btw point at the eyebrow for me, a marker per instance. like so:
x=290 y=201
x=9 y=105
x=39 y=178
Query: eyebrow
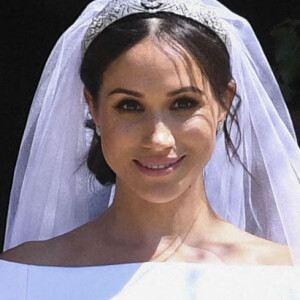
x=186 y=89
x=170 y=94
x=125 y=91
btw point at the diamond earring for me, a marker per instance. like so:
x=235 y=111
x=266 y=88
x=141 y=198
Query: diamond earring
x=98 y=130
x=220 y=125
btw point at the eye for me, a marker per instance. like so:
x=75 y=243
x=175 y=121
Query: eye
x=129 y=106
x=184 y=103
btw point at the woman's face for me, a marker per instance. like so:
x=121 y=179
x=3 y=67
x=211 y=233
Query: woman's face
x=158 y=123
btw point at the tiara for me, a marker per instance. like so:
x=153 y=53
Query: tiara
x=117 y=9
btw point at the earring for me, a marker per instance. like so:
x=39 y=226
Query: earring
x=220 y=125
x=98 y=130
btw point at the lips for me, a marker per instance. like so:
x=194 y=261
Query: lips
x=159 y=166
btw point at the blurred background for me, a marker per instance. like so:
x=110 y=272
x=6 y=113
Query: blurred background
x=31 y=28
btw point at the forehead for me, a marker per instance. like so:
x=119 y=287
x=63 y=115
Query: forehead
x=151 y=61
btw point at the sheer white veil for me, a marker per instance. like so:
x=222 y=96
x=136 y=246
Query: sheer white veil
x=53 y=191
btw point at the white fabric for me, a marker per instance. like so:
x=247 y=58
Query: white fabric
x=53 y=193
x=153 y=281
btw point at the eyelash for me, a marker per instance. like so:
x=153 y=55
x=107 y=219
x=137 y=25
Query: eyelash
x=121 y=106
x=188 y=103
x=184 y=103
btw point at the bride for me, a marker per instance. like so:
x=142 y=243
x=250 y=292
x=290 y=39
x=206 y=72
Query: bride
x=158 y=102
x=186 y=131
x=159 y=161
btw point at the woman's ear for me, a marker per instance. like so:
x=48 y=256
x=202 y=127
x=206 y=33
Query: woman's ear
x=228 y=98
x=231 y=90
x=90 y=101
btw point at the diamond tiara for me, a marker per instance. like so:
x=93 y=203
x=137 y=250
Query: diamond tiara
x=117 y=9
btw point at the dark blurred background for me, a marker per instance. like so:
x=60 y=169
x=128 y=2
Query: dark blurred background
x=31 y=28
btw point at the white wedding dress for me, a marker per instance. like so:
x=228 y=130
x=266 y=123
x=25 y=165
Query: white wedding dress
x=149 y=280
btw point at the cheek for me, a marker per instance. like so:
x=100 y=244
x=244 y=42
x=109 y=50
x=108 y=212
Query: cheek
x=201 y=127
x=117 y=140
x=200 y=136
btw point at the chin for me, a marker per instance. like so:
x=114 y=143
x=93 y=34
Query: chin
x=160 y=193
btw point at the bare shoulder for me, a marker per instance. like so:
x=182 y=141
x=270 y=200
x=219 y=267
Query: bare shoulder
x=246 y=248
x=28 y=253
x=68 y=250
x=259 y=251
x=270 y=253
x=58 y=251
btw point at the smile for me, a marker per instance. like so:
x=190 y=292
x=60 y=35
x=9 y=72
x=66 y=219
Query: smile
x=159 y=167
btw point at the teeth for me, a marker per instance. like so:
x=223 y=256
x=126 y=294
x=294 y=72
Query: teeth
x=158 y=167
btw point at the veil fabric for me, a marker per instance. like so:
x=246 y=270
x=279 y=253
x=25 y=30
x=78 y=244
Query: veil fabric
x=53 y=191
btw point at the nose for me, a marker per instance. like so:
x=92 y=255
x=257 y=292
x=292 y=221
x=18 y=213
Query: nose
x=158 y=135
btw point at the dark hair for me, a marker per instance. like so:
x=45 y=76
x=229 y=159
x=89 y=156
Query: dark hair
x=199 y=41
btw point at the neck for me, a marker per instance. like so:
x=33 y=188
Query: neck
x=138 y=221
